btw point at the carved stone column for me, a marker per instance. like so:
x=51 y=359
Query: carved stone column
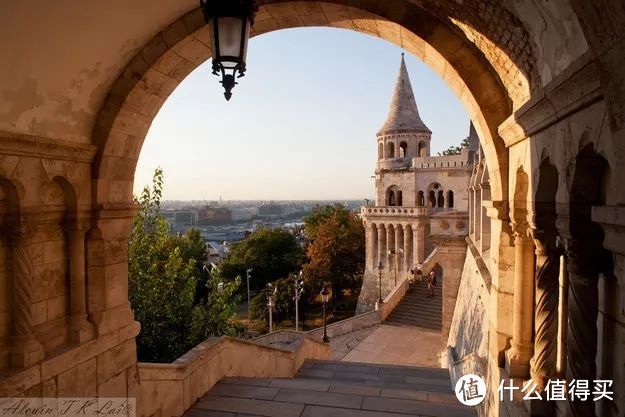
x=399 y=232
x=24 y=350
x=418 y=243
x=520 y=352
x=583 y=258
x=543 y=363
x=390 y=246
x=81 y=329
x=381 y=245
x=408 y=256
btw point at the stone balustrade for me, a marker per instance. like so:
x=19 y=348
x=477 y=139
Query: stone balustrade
x=402 y=212
x=171 y=389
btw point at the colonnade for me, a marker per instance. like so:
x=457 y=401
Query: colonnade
x=396 y=246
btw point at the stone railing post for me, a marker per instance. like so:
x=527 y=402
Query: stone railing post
x=520 y=352
x=24 y=349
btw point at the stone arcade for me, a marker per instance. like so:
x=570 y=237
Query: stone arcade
x=542 y=292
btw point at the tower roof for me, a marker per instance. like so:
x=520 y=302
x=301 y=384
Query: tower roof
x=403 y=117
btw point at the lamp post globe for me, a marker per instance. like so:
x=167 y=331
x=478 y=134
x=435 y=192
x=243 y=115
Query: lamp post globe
x=230 y=23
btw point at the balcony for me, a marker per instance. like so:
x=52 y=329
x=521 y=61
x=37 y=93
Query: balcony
x=372 y=212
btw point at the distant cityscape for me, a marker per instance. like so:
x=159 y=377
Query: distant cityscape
x=222 y=223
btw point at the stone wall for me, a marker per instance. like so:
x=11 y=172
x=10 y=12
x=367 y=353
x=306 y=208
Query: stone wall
x=469 y=331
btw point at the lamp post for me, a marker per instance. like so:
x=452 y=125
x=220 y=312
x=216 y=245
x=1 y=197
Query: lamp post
x=325 y=297
x=230 y=22
x=380 y=268
x=299 y=289
x=271 y=303
x=248 y=274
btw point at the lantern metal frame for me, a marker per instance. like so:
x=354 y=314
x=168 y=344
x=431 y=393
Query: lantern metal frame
x=246 y=11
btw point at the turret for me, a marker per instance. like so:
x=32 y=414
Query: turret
x=403 y=135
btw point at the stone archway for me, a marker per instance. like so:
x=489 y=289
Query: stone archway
x=171 y=55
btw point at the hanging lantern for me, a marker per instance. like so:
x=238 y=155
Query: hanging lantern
x=230 y=22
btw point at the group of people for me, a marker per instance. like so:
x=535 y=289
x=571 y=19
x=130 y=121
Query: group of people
x=431 y=280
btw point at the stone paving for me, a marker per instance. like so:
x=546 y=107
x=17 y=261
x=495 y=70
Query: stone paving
x=384 y=344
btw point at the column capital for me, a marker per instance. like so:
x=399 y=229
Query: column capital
x=80 y=226
x=23 y=230
x=585 y=257
x=496 y=209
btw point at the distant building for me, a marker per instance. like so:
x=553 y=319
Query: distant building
x=244 y=214
x=269 y=210
x=213 y=214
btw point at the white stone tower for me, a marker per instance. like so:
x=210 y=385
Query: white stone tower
x=421 y=200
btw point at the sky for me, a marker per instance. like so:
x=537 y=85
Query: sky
x=301 y=124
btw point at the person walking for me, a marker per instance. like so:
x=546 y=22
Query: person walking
x=431 y=284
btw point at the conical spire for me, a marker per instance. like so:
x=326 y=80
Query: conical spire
x=403 y=116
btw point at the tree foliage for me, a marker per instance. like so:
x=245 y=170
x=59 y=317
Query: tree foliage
x=271 y=253
x=455 y=150
x=337 y=252
x=175 y=301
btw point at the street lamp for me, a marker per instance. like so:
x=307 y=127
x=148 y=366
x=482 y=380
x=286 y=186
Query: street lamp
x=380 y=268
x=325 y=297
x=271 y=303
x=299 y=289
x=394 y=253
x=230 y=22
x=248 y=274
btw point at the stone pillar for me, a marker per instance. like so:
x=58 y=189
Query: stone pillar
x=543 y=363
x=25 y=350
x=582 y=262
x=390 y=246
x=452 y=252
x=399 y=244
x=381 y=246
x=408 y=256
x=563 y=315
x=81 y=329
x=520 y=352
x=418 y=243
x=471 y=213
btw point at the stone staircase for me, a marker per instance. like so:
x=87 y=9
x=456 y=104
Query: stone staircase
x=417 y=310
x=337 y=389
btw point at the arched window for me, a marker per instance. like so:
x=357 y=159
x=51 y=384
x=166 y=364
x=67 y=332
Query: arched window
x=420 y=199
x=393 y=196
x=431 y=199
x=421 y=149
x=441 y=199
x=390 y=150
x=403 y=150
x=450 y=199
x=380 y=151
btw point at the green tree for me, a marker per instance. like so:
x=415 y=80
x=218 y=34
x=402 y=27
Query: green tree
x=163 y=277
x=337 y=253
x=271 y=253
x=455 y=150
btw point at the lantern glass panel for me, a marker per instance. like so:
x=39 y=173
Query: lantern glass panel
x=230 y=30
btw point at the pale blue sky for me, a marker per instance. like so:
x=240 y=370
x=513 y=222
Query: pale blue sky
x=301 y=124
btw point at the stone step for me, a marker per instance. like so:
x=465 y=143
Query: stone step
x=429 y=315
x=440 y=373
x=426 y=326
x=293 y=397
